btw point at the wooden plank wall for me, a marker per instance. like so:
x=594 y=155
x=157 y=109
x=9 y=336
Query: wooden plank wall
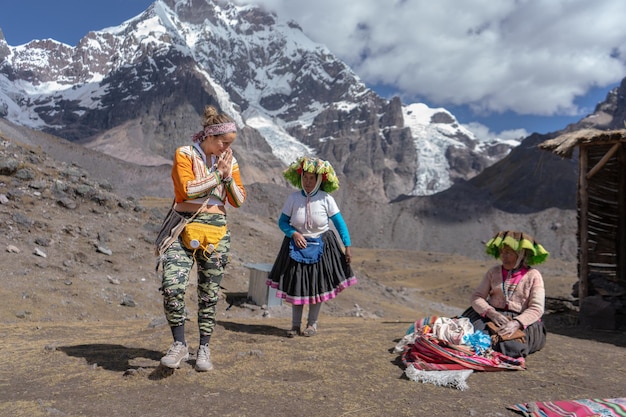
x=602 y=230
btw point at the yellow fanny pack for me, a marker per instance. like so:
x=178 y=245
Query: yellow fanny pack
x=202 y=236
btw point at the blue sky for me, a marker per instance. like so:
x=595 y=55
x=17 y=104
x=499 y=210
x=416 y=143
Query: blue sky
x=63 y=20
x=513 y=67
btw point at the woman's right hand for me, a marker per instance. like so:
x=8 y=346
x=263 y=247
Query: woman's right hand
x=299 y=240
x=499 y=319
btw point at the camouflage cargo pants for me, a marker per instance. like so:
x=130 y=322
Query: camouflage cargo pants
x=177 y=263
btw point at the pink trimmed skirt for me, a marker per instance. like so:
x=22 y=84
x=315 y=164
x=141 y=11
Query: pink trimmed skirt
x=300 y=283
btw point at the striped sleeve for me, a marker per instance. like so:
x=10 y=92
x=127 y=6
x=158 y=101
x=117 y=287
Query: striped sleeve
x=189 y=179
x=235 y=191
x=199 y=187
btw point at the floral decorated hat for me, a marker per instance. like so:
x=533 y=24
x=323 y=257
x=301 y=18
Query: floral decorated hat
x=516 y=241
x=294 y=172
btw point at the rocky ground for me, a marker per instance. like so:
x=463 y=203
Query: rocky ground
x=83 y=328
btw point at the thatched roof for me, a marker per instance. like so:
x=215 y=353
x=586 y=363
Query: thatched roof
x=565 y=144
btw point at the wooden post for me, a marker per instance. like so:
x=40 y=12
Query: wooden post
x=621 y=215
x=583 y=227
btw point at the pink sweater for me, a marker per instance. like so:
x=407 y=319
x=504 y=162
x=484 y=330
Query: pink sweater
x=528 y=298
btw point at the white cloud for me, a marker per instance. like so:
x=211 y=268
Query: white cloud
x=530 y=57
x=483 y=133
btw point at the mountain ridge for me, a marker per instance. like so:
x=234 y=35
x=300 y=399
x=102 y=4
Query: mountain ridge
x=158 y=70
x=405 y=170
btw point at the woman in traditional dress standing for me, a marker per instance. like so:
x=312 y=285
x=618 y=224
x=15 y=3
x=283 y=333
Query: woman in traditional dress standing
x=311 y=267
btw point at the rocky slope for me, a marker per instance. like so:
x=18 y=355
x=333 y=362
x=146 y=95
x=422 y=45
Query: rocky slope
x=452 y=222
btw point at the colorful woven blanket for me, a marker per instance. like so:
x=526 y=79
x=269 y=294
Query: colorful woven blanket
x=424 y=351
x=429 y=359
x=431 y=354
x=612 y=407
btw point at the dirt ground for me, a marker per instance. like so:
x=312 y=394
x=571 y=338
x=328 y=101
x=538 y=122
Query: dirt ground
x=71 y=350
x=83 y=328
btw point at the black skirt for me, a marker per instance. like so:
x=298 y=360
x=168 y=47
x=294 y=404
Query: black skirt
x=301 y=283
x=535 y=335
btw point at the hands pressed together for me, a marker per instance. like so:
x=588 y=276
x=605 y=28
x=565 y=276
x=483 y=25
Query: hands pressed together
x=224 y=163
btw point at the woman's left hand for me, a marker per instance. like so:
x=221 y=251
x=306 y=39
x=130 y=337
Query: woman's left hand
x=508 y=329
x=348 y=254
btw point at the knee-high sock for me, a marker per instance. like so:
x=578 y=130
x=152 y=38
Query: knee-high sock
x=296 y=316
x=179 y=333
x=314 y=312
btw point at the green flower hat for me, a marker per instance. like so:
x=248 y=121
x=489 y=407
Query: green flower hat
x=293 y=173
x=517 y=240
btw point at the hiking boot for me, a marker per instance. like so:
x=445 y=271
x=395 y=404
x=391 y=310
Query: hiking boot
x=177 y=353
x=203 y=359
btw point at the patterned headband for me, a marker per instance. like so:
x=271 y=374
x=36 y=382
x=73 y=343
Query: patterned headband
x=215 y=130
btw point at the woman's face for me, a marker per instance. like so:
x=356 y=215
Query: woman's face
x=508 y=257
x=216 y=145
x=309 y=180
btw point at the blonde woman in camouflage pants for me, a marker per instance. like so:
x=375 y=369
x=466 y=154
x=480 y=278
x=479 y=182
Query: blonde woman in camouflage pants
x=206 y=177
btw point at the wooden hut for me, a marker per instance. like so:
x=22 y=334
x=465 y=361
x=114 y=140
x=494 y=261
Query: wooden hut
x=601 y=210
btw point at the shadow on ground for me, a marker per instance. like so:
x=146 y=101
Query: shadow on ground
x=566 y=323
x=111 y=357
x=263 y=329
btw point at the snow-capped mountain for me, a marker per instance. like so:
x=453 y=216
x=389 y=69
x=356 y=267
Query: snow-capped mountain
x=135 y=91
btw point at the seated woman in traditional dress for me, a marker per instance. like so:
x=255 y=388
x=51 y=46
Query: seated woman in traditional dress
x=510 y=299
